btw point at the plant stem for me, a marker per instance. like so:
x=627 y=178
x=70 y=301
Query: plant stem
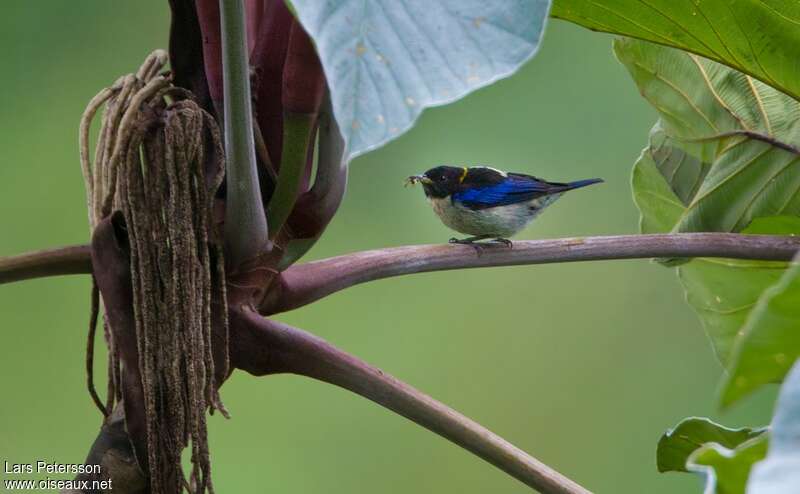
x=302 y=89
x=297 y=132
x=246 y=233
x=306 y=283
x=74 y=259
x=303 y=284
x=315 y=209
x=264 y=347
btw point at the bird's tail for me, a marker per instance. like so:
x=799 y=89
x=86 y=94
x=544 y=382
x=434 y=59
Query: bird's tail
x=582 y=183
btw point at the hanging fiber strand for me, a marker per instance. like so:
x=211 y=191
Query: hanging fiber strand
x=150 y=163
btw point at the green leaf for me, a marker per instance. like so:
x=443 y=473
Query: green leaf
x=785 y=225
x=660 y=207
x=726 y=144
x=779 y=473
x=690 y=435
x=760 y=38
x=722 y=155
x=770 y=342
x=245 y=222
x=726 y=470
x=723 y=292
x=387 y=60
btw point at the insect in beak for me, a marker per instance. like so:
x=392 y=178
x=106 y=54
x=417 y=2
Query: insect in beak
x=413 y=179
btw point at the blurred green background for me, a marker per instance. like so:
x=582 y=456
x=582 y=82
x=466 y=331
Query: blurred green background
x=582 y=365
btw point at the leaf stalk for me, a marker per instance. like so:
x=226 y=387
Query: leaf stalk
x=246 y=233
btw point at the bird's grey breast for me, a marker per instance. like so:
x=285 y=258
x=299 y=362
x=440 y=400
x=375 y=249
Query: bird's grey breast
x=501 y=221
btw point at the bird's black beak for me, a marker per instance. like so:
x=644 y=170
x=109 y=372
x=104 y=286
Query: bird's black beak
x=413 y=179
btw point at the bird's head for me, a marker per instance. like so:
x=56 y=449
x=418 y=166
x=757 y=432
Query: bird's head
x=441 y=181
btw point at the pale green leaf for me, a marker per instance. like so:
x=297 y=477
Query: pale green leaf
x=779 y=473
x=386 y=60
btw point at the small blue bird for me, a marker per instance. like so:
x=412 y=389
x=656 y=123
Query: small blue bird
x=488 y=203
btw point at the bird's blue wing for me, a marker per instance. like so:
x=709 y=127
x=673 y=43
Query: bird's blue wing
x=513 y=189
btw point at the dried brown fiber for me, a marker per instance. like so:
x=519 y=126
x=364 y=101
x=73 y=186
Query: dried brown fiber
x=150 y=164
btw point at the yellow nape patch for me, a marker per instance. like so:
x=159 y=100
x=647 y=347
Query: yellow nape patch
x=463 y=175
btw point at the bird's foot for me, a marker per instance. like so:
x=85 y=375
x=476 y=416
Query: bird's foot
x=479 y=247
x=454 y=240
x=504 y=241
x=471 y=241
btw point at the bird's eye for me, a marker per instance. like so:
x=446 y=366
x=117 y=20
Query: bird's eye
x=442 y=178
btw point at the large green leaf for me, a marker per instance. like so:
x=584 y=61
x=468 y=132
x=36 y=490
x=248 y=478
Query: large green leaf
x=721 y=156
x=770 y=342
x=723 y=292
x=679 y=443
x=729 y=144
x=758 y=37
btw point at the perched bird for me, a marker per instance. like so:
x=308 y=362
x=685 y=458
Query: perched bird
x=487 y=203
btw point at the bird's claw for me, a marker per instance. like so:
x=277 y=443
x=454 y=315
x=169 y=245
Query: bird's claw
x=466 y=241
x=504 y=241
x=479 y=247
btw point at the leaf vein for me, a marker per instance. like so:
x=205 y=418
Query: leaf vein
x=760 y=103
x=695 y=59
x=682 y=28
x=678 y=90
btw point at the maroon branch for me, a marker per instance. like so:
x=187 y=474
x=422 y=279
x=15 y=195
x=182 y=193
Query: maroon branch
x=261 y=346
x=73 y=259
x=305 y=283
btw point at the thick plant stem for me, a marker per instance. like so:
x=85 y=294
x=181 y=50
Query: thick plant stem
x=264 y=347
x=48 y=262
x=303 y=284
x=306 y=283
x=246 y=234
